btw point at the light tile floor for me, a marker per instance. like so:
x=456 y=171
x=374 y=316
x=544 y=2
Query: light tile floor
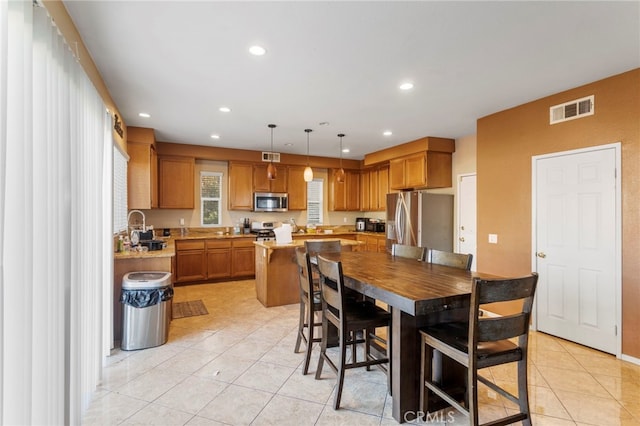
x=236 y=366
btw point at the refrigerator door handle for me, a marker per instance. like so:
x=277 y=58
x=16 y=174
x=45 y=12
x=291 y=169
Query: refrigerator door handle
x=399 y=222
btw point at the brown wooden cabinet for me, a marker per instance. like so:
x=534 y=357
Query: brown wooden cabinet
x=429 y=169
x=297 y=188
x=176 y=175
x=191 y=261
x=372 y=242
x=243 y=262
x=218 y=258
x=241 y=186
x=262 y=184
x=344 y=196
x=142 y=169
x=215 y=258
x=374 y=186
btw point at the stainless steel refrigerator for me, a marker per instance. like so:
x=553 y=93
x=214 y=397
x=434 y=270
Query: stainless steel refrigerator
x=421 y=219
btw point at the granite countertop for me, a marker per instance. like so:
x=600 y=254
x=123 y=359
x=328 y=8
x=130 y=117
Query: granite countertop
x=199 y=233
x=300 y=242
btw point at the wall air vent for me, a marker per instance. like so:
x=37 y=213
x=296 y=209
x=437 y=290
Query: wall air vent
x=271 y=156
x=571 y=110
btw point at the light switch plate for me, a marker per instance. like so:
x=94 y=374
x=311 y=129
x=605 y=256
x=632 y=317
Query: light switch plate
x=493 y=238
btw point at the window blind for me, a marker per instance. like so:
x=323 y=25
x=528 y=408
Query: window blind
x=315 y=201
x=119 y=191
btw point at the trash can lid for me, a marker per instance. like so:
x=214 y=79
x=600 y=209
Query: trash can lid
x=146 y=279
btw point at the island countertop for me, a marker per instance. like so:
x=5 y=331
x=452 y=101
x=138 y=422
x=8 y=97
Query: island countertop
x=273 y=245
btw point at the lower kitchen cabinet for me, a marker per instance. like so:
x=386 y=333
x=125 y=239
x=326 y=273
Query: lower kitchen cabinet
x=191 y=262
x=218 y=259
x=243 y=262
x=372 y=242
x=214 y=259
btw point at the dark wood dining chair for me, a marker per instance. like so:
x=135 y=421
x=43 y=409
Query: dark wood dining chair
x=447 y=258
x=309 y=305
x=351 y=319
x=410 y=252
x=482 y=342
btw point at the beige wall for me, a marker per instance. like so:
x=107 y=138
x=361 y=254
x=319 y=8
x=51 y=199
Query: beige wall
x=507 y=140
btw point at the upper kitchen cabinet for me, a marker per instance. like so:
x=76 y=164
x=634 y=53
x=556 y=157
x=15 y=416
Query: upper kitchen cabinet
x=142 y=170
x=344 y=196
x=176 y=182
x=420 y=164
x=297 y=188
x=241 y=186
x=374 y=186
x=262 y=184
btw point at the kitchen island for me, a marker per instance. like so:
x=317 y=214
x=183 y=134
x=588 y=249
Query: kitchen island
x=276 y=270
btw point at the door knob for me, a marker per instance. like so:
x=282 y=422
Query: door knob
x=541 y=255
x=461 y=239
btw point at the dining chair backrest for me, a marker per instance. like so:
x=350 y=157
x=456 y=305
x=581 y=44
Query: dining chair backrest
x=411 y=252
x=492 y=329
x=447 y=258
x=304 y=270
x=331 y=288
x=314 y=247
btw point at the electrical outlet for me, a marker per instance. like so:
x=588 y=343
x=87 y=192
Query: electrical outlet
x=493 y=238
x=181 y=221
x=344 y=219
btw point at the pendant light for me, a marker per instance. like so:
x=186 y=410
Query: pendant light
x=340 y=176
x=272 y=173
x=308 y=172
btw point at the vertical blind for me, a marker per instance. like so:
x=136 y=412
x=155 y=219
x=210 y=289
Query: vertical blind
x=55 y=208
x=119 y=190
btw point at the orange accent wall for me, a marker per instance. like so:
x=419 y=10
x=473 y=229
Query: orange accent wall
x=507 y=140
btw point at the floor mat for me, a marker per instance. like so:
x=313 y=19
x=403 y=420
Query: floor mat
x=188 y=309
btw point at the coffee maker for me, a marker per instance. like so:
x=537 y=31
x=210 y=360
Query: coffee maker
x=361 y=224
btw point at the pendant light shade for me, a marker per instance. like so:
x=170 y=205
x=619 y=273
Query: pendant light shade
x=272 y=173
x=340 y=175
x=308 y=172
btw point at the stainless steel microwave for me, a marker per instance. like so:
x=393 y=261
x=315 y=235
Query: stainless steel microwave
x=270 y=202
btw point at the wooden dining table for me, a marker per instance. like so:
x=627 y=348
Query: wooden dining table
x=419 y=294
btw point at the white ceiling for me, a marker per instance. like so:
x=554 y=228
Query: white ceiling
x=342 y=63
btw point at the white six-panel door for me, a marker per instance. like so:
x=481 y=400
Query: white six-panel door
x=576 y=246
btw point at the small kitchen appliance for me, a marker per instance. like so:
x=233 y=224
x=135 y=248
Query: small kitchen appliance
x=374 y=225
x=361 y=223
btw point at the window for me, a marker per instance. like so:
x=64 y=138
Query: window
x=119 y=191
x=314 y=202
x=210 y=198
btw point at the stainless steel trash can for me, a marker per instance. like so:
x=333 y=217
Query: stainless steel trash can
x=146 y=313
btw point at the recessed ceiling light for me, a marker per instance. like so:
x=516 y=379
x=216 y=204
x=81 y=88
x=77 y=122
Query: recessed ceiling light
x=406 y=86
x=215 y=136
x=387 y=133
x=224 y=109
x=144 y=114
x=345 y=150
x=257 y=50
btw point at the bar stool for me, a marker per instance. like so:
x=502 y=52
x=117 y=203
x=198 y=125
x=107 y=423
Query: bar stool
x=348 y=318
x=309 y=305
x=482 y=342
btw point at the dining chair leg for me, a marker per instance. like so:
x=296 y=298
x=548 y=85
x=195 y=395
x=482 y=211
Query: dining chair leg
x=323 y=347
x=472 y=395
x=300 y=328
x=341 y=362
x=310 y=338
x=523 y=395
x=426 y=358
